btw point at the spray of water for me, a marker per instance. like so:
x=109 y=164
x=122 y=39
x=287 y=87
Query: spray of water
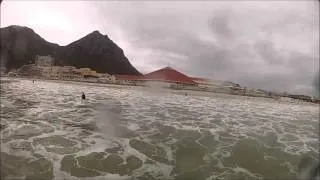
x=309 y=169
x=157 y=87
x=107 y=118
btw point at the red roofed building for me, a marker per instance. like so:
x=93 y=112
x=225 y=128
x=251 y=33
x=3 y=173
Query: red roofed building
x=163 y=77
x=169 y=75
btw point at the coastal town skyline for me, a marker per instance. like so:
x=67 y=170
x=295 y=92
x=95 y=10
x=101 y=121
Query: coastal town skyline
x=266 y=54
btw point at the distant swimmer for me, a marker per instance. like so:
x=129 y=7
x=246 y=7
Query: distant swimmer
x=32 y=81
x=83 y=97
x=186 y=94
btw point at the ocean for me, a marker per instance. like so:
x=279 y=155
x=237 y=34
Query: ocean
x=123 y=132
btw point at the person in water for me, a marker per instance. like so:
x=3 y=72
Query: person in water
x=83 y=97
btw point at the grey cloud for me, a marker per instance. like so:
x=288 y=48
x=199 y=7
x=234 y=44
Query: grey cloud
x=201 y=57
x=233 y=48
x=220 y=23
x=316 y=84
x=267 y=52
x=303 y=63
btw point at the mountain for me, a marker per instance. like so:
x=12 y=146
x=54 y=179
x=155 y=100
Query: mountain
x=20 y=45
x=98 y=52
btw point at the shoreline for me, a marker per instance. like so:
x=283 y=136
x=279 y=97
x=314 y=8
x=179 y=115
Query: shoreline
x=191 y=91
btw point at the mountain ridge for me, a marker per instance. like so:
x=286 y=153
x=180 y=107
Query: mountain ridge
x=20 y=45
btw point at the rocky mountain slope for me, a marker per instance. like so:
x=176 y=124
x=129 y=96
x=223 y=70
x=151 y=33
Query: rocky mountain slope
x=20 y=45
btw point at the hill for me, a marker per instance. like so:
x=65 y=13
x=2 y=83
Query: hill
x=20 y=45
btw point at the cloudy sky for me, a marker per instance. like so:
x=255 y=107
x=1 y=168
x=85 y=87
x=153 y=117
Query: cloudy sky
x=261 y=44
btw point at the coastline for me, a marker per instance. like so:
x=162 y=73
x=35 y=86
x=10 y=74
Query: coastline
x=180 y=90
x=76 y=81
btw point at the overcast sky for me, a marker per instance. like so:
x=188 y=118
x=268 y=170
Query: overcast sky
x=262 y=44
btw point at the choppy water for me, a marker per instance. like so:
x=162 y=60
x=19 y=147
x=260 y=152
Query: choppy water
x=134 y=133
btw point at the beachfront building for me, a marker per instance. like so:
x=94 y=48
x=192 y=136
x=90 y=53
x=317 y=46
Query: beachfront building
x=87 y=73
x=168 y=77
x=60 y=72
x=208 y=83
x=68 y=73
x=44 y=61
x=44 y=68
x=165 y=78
x=46 y=71
x=84 y=71
x=29 y=70
x=128 y=79
x=106 y=78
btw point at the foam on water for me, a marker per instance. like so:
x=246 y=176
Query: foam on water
x=157 y=126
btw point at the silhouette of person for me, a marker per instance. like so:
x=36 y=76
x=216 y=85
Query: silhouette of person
x=83 y=97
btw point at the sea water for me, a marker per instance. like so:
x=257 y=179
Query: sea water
x=122 y=132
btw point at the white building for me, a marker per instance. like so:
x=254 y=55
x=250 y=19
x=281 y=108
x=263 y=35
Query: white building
x=44 y=61
x=60 y=72
x=50 y=72
x=208 y=83
x=84 y=71
x=68 y=68
x=105 y=78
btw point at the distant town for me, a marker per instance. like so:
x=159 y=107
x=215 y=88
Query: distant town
x=44 y=68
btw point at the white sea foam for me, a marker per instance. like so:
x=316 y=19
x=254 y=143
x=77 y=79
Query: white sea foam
x=110 y=109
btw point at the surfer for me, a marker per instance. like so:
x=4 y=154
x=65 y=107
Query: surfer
x=83 y=97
